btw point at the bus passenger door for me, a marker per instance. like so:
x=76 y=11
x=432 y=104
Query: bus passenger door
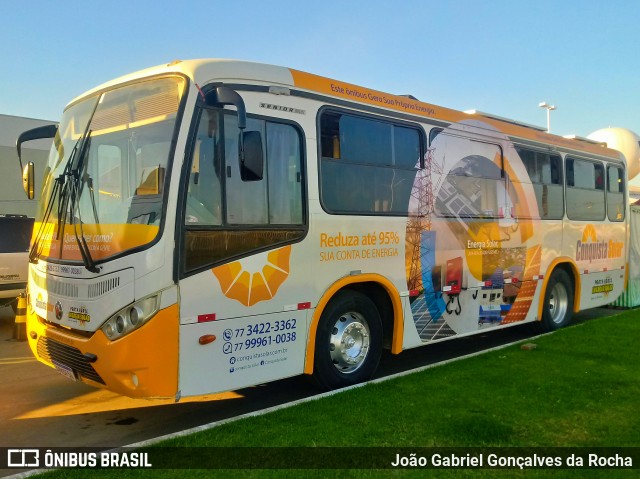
x=243 y=321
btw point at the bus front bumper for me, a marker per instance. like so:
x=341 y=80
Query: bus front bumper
x=142 y=364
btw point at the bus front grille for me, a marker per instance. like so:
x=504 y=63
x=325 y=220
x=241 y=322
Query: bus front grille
x=58 y=353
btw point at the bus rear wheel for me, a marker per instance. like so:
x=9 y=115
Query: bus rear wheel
x=348 y=341
x=558 y=301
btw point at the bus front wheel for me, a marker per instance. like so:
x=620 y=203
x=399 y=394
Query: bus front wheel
x=348 y=341
x=558 y=301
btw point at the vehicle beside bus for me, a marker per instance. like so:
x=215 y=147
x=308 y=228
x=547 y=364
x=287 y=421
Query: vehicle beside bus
x=16 y=212
x=212 y=224
x=14 y=245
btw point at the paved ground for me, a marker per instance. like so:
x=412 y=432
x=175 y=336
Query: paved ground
x=39 y=407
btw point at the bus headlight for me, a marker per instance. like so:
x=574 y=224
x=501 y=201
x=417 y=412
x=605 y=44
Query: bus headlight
x=131 y=317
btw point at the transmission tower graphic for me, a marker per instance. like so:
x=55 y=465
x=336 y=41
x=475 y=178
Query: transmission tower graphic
x=422 y=205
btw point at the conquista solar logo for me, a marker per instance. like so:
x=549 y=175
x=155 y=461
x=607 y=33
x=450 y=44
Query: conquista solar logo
x=591 y=249
x=256 y=278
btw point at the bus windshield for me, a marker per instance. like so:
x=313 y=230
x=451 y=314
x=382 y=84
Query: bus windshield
x=115 y=147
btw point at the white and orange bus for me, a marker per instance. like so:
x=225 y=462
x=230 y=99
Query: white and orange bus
x=212 y=224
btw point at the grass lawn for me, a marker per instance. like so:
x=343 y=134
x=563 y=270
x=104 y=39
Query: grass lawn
x=579 y=388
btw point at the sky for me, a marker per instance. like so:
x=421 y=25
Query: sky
x=500 y=57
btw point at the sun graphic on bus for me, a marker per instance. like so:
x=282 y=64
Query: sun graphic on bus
x=254 y=279
x=589 y=234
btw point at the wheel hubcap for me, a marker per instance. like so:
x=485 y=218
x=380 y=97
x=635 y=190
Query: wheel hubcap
x=349 y=342
x=558 y=303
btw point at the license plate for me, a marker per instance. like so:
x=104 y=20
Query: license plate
x=66 y=371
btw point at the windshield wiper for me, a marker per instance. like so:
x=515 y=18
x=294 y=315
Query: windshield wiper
x=66 y=190
x=86 y=179
x=58 y=196
x=37 y=246
x=72 y=201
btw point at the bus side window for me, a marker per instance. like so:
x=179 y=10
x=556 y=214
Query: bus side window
x=615 y=194
x=599 y=173
x=570 y=181
x=204 y=201
x=474 y=187
x=368 y=165
x=585 y=190
x=545 y=177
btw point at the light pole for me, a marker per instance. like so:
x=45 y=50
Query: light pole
x=547 y=107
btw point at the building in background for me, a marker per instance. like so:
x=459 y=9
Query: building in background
x=16 y=211
x=13 y=200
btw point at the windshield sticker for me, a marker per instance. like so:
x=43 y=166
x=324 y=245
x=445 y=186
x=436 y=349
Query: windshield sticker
x=102 y=241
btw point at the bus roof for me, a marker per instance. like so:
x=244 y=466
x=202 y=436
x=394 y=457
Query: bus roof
x=205 y=71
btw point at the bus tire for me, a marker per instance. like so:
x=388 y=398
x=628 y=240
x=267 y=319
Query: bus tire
x=348 y=341
x=558 y=301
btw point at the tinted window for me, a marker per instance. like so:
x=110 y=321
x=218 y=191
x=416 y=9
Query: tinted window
x=585 y=190
x=204 y=194
x=367 y=166
x=276 y=199
x=16 y=233
x=246 y=200
x=434 y=133
x=545 y=175
x=615 y=193
x=473 y=187
x=220 y=204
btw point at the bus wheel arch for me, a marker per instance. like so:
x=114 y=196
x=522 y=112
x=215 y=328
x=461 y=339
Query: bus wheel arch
x=560 y=298
x=380 y=297
x=375 y=289
x=348 y=342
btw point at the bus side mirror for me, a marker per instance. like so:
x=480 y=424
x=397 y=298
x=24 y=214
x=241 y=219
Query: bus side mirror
x=251 y=158
x=28 y=180
x=47 y=131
